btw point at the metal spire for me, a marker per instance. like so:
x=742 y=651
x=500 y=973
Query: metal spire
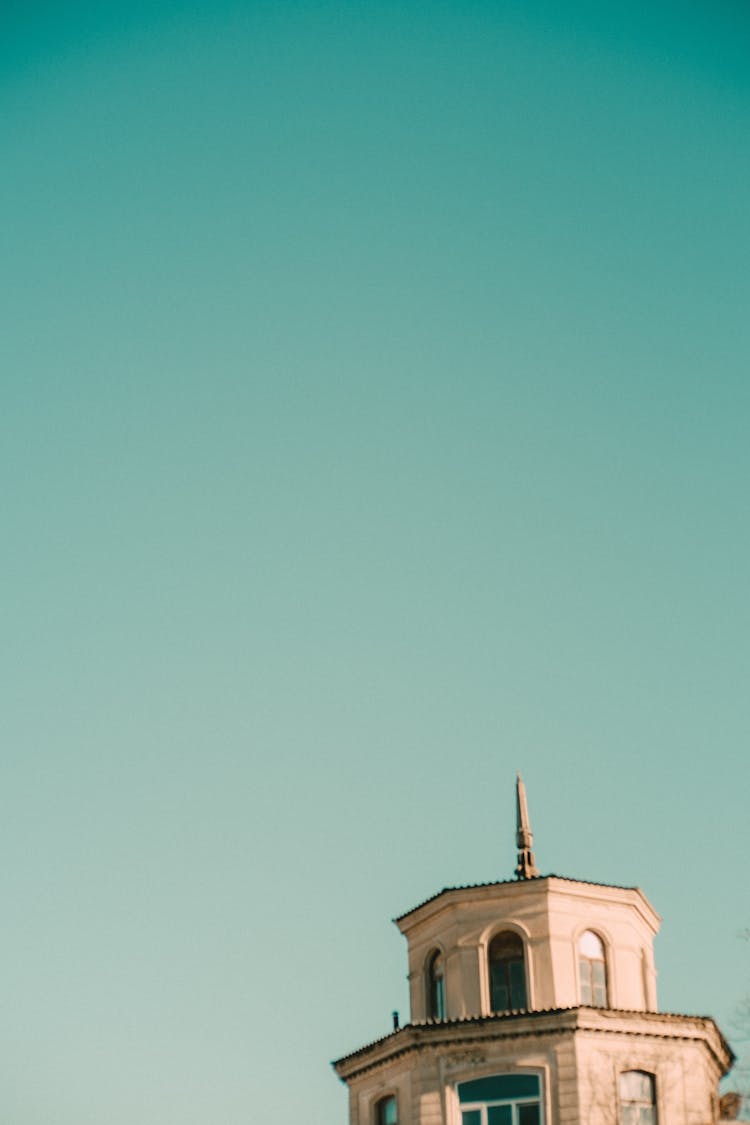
x=526 y=867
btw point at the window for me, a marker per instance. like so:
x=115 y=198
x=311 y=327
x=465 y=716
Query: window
x=592 y=970
x=435 y=986
x=502 y=1099
x=387 y=1111
x=507 y=973
x=637 y=1098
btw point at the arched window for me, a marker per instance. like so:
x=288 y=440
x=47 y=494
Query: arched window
x=592 y=970
x=387 y=1111
x=507 y=972
x=501 y=1099
x=435 y=986
x=637 y=1098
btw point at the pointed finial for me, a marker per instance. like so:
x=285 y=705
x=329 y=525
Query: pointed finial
x=526 y=867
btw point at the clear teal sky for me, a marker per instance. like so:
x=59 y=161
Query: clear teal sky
x=374 y=402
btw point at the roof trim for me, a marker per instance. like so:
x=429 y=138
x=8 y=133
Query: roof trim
x=407 y=1032
x=513 y=882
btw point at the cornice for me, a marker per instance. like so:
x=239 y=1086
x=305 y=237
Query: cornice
x=540 y=884
x=436 y=1034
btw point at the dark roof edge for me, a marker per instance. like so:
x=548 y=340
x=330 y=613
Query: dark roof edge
x=512 y=882
x=503 y=1017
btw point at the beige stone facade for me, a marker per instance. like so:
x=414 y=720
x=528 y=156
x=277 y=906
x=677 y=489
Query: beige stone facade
x=549 y=915
x=578 y=1054
x=571 y=1052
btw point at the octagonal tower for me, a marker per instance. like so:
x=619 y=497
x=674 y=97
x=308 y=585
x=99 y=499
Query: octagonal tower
x=533 y=1002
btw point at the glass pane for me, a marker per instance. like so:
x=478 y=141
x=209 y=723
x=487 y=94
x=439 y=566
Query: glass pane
x=505 y=945
x=517 y=985
x=439 y=1005
x=471 y=1117
x=589 y=945
x=499 y=1115
x=506 y=950
x=648 y=1115
x=637 y=1086
x=587 y=996
x=387 y=1114
x=600 y=983
x=500 y=1000
x=529 y=1114
x=629 y=1115
x=499 y=1087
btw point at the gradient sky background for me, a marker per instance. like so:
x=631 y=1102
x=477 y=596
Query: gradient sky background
x=374 y=408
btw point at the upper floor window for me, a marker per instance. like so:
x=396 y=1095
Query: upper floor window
x=507 y=974
x=592 y=970
x=387 y=1111
x=501 y=1099
x=637 y=1098
x=435 y=986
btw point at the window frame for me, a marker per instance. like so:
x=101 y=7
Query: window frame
x=516 y=1102
x=522 y=937
x=379 y=1107
x=638 y=1103
x=605 y=960
x=430 y=980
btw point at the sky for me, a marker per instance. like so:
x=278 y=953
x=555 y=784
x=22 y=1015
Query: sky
x=374 y=403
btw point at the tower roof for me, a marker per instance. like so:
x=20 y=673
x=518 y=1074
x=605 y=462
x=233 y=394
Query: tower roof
x=539 y=881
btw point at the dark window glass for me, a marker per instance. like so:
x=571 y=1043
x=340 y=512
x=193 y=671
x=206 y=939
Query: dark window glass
x=499 y=1087
x=501 y=1099
x=499 y=988
x=387 y=1111
x=517 y=984
x=435 y=987
x=507 y=973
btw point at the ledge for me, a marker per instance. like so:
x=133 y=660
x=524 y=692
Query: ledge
x=515 y=1025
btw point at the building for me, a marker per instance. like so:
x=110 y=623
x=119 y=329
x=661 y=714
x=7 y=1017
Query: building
x=533 y=1002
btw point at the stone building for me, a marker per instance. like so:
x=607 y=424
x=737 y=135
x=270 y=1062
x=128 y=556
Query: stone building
x=533 y=1002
